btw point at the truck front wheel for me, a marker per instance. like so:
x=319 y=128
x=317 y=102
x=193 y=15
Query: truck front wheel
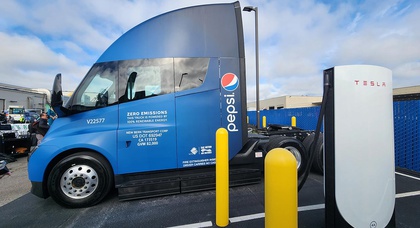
x=294 y=146
x=80 y=180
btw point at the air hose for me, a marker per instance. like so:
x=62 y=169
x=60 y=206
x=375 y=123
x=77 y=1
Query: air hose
x=327 y=87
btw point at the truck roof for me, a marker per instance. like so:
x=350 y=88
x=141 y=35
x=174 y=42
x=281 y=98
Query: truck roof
x=195 y=32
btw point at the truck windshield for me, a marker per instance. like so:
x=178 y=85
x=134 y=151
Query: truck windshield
x=98 y=88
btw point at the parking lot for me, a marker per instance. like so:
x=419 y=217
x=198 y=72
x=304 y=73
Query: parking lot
x=194 y=209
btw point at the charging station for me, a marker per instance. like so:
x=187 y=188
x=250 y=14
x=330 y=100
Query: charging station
x=359 y=147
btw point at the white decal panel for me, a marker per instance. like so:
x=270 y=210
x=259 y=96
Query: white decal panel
x=159 y=116
x=147 y=137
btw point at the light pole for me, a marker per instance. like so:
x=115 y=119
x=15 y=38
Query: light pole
x=257 y=71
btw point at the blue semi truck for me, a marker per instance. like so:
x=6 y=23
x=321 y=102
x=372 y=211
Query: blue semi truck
x=143 y=120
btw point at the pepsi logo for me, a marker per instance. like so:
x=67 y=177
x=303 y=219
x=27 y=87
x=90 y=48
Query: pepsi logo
x=230 y=82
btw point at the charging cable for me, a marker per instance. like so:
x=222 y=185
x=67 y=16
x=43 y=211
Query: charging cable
x=327 y=87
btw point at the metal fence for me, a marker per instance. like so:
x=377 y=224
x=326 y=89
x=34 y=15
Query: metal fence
x=406 y=134
x=406 y=128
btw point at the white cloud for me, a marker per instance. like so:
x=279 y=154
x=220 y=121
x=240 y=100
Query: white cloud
x=406 y=74
x=298 y=39
x=299 y=42
x=387 y=38
x=26 y=61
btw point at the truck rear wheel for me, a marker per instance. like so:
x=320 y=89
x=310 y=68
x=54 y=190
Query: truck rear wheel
x=80 y=180
x=294 y=146
x=318 y=163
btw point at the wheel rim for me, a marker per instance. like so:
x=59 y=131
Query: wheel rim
x=295 y=153
x=79 y=181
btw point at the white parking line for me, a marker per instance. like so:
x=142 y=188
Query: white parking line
x=247 y=217
x=311 y=207
x=262 y=215
x=402 y=174
x=407 y=194
x=195 y=225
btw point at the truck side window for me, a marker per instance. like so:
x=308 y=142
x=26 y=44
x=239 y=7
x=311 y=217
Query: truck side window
x=144 y=78
x=190 y=72
x=98 y=88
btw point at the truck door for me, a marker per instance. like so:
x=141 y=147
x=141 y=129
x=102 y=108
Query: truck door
x=197 y=110
x=146 y=132
x=203 y=107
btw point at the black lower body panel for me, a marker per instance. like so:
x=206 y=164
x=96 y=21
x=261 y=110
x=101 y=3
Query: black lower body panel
x=134 y=186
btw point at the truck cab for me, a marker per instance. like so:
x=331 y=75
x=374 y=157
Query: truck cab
x=144 y=118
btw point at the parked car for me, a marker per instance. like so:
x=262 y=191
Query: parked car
x=31 y=116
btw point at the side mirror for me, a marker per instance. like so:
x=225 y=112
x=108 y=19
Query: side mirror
x=57 y=95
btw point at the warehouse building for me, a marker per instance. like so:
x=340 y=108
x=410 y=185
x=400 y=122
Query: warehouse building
x=411 y=92
x=29 y=99
x=286 y=102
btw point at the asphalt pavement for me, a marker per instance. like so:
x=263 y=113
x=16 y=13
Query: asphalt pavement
x=16 y=185
x=193 y=209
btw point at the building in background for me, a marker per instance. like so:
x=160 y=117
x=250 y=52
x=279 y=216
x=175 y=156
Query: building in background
x=16 y=96
x=286 y=102
x=407 y=93
x=411 y=92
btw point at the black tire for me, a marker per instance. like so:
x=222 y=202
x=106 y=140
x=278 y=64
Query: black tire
x=294 y=146
x=80 y=180
x=318 y=162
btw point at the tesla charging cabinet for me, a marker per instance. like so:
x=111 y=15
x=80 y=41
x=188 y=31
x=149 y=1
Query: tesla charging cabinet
x=359 y=147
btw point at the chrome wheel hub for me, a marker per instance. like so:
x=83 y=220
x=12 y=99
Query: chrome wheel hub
x=79 y=181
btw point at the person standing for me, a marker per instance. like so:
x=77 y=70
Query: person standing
x=42 y=127
x=51 y=116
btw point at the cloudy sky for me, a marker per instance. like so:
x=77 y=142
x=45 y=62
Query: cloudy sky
x=297 y=39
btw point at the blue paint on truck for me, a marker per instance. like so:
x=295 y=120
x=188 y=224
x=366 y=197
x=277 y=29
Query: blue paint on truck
x=144 y=117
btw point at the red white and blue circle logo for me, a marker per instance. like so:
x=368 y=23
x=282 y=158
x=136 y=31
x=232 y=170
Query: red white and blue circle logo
x=230 y=82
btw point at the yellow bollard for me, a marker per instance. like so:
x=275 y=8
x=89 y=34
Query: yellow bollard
x=281 y=200
x=222 y=177
x=293 y=121
x=264 y=121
